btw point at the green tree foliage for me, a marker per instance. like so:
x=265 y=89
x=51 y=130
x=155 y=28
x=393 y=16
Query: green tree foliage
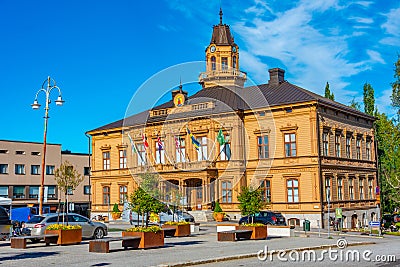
x=354 y=104
x=251 y=200
x=395 y=97
x=116 y=208
x=217 y=207
x=369 y=99
x=388 y=137
x=328 y=93
x=145 y=198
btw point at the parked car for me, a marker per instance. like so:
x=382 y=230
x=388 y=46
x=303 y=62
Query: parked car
x=178 y=216
x=5 y=224
x=38 y=224
x=23 y=214
x=264 y=217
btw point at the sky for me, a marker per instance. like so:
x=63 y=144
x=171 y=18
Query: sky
x=104 y=54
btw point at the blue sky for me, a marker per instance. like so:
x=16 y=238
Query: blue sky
x=100 y=52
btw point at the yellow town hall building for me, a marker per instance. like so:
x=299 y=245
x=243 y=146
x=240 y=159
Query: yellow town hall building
x=293 y=143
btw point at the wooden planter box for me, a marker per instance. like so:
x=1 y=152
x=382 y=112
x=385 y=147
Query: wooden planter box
x=67 y=237
x=180 y=230
x=259 y=232
x=148 y=239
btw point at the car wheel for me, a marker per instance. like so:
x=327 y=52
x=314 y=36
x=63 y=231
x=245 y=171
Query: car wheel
x=98 y=233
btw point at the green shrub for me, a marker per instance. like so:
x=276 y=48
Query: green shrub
x=252 y=224
x=152 y=229
x=63 y=227
x=176 y=223
x=116 y=208
x=217 y=207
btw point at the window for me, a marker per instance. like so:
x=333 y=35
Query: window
x=70 y=191
x=292 y=190
x=225 y=149
x=141 y=154
x=19 y=169
x=19 y=192
x=266 y=189
x=3 y=168
x=263 y=147
x=213 y=63
x=337 y=145
x=361 y=188
x=35 y=169
x=3 y=151
x=50 y=169
x=348 y=147
x=351 y=189
x=106 y=160
x=19 y=152
x=290 y=145
x=86 y=171
x=202 y=153
x=106 y=195
x=123 y=194
x=51 y=191
x=224 y=63
x=86 y=189
x=328 y=188
x=226 y=192
x=3 y=191
x=160 y=153
x=34 y=192
x=180 y=149
x=325 y=143
x=358 y=147
x=122 y=159
x=368 y=149
x=35 y=153
x=234 y=62
x=370 y=188
x=340 y=188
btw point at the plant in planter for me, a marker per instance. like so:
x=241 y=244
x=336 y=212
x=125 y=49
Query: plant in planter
x=218 y=213
x=181 y=228
x=144 y=200
x=116 y=213
x=67 y=234
x=251 y=202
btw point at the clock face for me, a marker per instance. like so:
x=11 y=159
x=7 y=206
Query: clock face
x=234 y=49
x=212 y=49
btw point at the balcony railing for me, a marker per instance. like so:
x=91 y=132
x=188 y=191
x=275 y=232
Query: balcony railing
x=204 y=76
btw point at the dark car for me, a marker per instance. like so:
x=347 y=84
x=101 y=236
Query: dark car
x=4 y=218
x=264 y=217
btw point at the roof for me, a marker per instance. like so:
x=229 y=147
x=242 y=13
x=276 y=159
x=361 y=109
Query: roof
x=221 y=33
x=232 y=99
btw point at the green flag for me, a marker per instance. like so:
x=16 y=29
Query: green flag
x=220 y=138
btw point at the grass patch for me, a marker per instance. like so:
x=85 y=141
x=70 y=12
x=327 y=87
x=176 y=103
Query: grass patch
x=392 y=233
x=115 y=229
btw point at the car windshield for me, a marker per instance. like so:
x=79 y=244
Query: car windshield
x=36 y=219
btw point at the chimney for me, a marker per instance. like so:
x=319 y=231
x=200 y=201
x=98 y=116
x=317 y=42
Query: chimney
x=276 y=76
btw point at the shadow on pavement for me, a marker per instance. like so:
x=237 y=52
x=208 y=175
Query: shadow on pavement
x=28 y=255
x=183 y=243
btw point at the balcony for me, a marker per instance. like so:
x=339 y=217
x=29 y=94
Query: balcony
x=221 y=75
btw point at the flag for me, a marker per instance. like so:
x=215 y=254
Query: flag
x=133 y=146
x=195 y=143
x=177 y=145
x=159 y=143
x=146 y=145
x=221 y=138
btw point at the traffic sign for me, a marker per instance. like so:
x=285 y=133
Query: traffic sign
x=374 y=224
x=338 y=213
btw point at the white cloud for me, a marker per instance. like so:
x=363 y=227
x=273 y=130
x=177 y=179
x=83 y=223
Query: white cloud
x=251 y=63
x=384 y=103
x=309 y=54
x=375 y=56
x=362 y=20
x=392 y=28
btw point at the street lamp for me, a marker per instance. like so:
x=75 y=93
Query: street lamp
x=328 y=198
x=51 y=84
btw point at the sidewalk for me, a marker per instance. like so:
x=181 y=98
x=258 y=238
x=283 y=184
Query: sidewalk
x=182 y=251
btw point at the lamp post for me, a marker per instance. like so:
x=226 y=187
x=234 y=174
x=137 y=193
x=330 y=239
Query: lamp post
x=328 y=198
x=46 y=88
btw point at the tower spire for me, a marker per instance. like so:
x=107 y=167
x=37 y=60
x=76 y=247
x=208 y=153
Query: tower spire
x=220 y=16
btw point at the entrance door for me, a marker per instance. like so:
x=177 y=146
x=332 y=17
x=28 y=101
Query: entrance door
x=194 y=191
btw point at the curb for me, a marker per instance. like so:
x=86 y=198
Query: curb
x=342 y=234
x=252 y=255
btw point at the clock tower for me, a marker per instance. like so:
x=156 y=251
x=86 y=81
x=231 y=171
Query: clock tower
x=222 y=59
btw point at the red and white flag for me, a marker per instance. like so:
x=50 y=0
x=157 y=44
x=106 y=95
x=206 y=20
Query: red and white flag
x=145 y=143
x=159 y=143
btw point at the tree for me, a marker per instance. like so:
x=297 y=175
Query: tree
x=251 y=200
x=369 y=99
x=395 y=97
x=145 y=198
x=354 y=104
x=67 y=179
x=328 y=93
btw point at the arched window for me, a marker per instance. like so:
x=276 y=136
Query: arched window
x=234 y=62
x=213 y=63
